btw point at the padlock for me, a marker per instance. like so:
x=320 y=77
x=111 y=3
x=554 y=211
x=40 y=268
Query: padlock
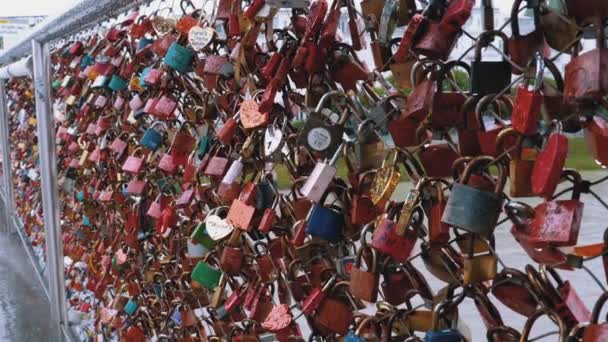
x=560 y=31
x=321 y=177
x=326 y=222
x=478 y=268
x=490 y=129
x=364 y=284
x=370 y=147
x=435 y=334
x=522 y=48
x=446 y=110
x=319 y=136
x=363 y=209
x=420 y=101
x=549 y=164
x=490 y=77
x=514 y=290
x=471 y=209
x=585 y=80
x=179 y=58
x=528 y=102
x=232 y=256
x=153 y=138
x=333 y=314
x=587 y=10
x=397 y=238
x=206 y=275
x=134 y=163
x=386 y=178
x=439 y=232
x=562 y=298
x=440 y=35
x=521 y=163
x=557 y=222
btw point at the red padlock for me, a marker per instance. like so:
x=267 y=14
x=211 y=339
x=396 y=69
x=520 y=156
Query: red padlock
x=550 y=161
x=528 y=102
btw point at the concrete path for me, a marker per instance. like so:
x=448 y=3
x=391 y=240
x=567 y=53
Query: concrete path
x=24 y=307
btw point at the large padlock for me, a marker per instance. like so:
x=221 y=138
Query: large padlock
x=549 y=164
x=490 y=77
x=396 y=238
x=364 y=283
x=319 y=136
x=153 y=137
x=523 y=47
x=557 y=222
x=528 y=102
x=326 y=222
x=321 y=177
x=586 y=79
x=472 y=209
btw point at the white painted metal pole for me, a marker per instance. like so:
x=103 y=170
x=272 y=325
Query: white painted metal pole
x=5 y=145
x=48 y=172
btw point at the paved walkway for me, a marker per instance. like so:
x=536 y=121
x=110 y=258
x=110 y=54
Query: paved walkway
x=24 y=307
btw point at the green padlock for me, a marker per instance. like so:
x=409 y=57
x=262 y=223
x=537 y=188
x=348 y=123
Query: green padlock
x=117 y=83
x=206 y=275
x=200 y=235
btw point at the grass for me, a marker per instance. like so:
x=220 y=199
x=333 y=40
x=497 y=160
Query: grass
x=579 y=158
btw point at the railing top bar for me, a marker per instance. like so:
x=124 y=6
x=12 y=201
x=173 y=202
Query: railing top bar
x=85 y=14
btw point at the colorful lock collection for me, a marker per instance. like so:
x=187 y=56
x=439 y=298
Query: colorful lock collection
x=224 y=176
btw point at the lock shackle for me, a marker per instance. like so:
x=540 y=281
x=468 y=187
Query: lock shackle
x=519 y=213
x=597 y=308
x=539 y=63
x=479 y=161
x=442 y=75
x=438 y=311
x=544 y=291
x=326 y=97
x=364 y=323
x=512 y=276
x=577 y=180
x=502 y=138
x=515 y=14
x=485 y=101
x=554 y=317
x=503 y=331
x=417 y=75
x=485 y=37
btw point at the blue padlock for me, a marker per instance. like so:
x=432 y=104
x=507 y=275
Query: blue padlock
x=326 y=222
x=80 y=196
x=85 y=221
x=86 y=61
x=445 y=335
x=142 y=76
x=353 y=337
x=179 y=58
x=117 y=83
x=153 y=138
x=130 y=307
x=142 y=43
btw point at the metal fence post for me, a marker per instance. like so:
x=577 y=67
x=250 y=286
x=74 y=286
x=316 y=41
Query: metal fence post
x=6 y=162
x=48 y=172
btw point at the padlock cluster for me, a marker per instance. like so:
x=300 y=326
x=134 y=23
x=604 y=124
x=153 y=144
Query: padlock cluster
x=223 y=179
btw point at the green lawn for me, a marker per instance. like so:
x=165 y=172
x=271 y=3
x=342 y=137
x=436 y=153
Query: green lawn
x=578 y=158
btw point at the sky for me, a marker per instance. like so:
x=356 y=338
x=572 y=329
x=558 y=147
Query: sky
x=50 y=7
